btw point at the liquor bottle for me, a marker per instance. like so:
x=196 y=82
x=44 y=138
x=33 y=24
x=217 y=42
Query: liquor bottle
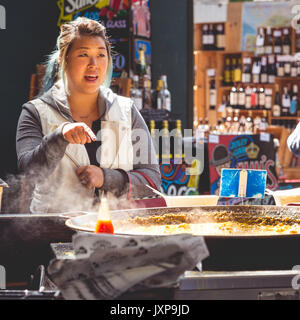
x=249 y=123
x=166 y=94
x=165 y=152
x=285 y=102
x=256 y=124
x=153 y=137
x=276 y=110
x=268 y=99
x=236 y=122
x=286 y=43
x=178 y=141
x=220 y=37
x=263 y=122
x=268 y=41
x=280 y=66
x=212 y=95
x=287 y=66
x=141 y=64
x=233 y=97
x=158 y=98
x=277 y=42
x=211 y=38
x=147 y=99
x=237 y=73
x=293 y=67
x=271 y=69
x=205 y=39
x=260 y=40
x=246 y=75
x=261 y=98
x=248 y=92
x=254 y=98
x=241 y=98
x=294 y=101
x=136 y=94
x=228 y=122
x=233 y=66
x=264 y=70
x=256 y=72
x=227 y=73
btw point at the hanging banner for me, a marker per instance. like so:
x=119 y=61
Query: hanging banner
x=141 y=18
x=242 y=151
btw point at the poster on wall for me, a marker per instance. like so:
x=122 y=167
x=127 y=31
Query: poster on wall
x=264 y=14
x=114 y=15
x=141 y=18
x=241 y=152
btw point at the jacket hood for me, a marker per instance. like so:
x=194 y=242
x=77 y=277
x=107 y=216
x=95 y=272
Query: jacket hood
x=56 y=97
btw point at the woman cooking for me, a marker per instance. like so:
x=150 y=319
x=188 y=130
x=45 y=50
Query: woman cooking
x=59 y=141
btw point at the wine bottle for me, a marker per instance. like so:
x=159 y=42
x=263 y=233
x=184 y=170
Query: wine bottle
x=256 y=72
x=220 y=37
x=159 y=94
x=268 y=99
x=261 y=98
x=287 y=66
x=227 y=73
x=268 y=41
x=294 y=101
x=141 y=65
x=260 y=40
x=286 y=43
x=166 y=94
x=280 y=66
x=276 y=110
x=246 y=76
x=136 y=93
x=241 y=98
x=211 y=38
x=205 y=39
x=249 y=123
x=233 y=98
x=248 y=92
x=238 y=71
x=212 y=95
x=147 y=100
x=263 y=125
x=264 y=70
x=285 y=102
x=271 y=69
x=254 y=98
x=233 y=67
x=293 y=67
x=165 y=153
x=277 y=42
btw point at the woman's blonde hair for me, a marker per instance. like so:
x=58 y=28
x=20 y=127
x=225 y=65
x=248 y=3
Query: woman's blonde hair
x=68 y=32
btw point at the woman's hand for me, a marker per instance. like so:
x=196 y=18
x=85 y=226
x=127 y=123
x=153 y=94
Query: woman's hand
x=78 y=133
x=90 y=176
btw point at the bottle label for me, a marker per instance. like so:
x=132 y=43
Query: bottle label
x=138 y=102
x=276 y=110
x=242 y=99
x=233 y=98
x=271 y=78
x=255 y=78
x=261 y=100
x=246 y=78
x=168 y=104
x=286 y=49
x=293 y=107
x=293 y=72
x=277 y=49
x=268 y=49
x=158 y=103
x=213 y=98
x=237 y=75
x=268 y=102
x=220 y=41
x=248 y=102
x=287 y=68
x=264 y=78
x=280 y=71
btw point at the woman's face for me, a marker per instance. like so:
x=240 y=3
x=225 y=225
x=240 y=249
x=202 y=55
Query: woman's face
x=87 y=64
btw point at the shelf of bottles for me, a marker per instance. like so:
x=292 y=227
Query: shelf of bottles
x=267 y=80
